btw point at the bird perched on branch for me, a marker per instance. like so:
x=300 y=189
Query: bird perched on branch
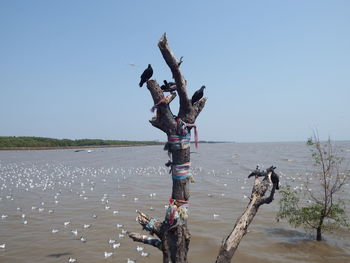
x=146 y=75
x=168 y=86
x=273 y=176
x=198 y=95
x=271 y=170
x=256 y=172
x=275 y=180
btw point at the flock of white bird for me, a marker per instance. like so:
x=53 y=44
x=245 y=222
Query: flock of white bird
x=51 y=181
x=23 y=179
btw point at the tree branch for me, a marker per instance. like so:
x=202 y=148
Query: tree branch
x=231 y=242
x=137 y=237
x=173 y=64
x=149 y=223
x=268 y=199
x=165 y=118
x=197 y=108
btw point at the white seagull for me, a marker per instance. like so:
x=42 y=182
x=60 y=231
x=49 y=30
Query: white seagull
x=107 y=255
x=144 y=254
x=139 y=248
x=116 y=245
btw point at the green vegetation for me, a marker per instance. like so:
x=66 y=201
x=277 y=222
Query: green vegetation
x=7 y=142
x=324 y=210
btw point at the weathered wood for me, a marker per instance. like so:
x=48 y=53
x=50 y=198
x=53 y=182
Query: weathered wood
x=137 y=237
x=175 y=238
x=231 y=242
x=180 y=81
x=155 y=226
x=187 y=112
x=165 y=119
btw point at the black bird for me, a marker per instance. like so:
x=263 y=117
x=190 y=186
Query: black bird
x=146 y=75
x=274 y=177
x=256 y=172
x=168 y=86
x=198 y=95
x=275 y=180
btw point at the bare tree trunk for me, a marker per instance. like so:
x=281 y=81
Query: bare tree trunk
x=173 y=236
x=318 y=234
x=176 y=240
x=231 y=242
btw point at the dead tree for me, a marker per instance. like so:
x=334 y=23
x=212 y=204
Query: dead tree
x=231 y=242
x=172 y=235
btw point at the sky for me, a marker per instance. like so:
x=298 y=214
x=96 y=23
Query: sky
x=274 y=70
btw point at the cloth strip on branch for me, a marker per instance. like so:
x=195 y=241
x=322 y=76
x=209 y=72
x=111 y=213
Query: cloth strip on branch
x=178 y=142
x=176 y=213
x=181 y=171
x=181 y=140
x=150 y=226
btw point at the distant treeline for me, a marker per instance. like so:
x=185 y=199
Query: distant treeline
x=38 y=142
x=215 y=142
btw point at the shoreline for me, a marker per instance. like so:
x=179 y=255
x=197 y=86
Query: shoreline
x=73 y=147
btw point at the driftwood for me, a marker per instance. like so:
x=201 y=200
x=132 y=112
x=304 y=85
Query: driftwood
x=231 y=242
x=172 y=239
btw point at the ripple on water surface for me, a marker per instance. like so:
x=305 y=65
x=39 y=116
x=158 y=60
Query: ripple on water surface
x=103 y=189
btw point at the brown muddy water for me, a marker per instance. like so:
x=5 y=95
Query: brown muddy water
x=41 y=190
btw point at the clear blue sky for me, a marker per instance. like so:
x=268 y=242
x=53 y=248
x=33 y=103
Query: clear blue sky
x=274 y=70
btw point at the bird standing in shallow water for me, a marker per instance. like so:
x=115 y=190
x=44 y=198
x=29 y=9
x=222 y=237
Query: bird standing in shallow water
x=146 y=75
x=198 y=95
x=116 y=245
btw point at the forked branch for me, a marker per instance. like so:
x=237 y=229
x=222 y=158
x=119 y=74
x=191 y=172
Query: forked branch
x=187 y=112
x=231 y=242
x=180 y=81
x=150 y=224
x=173 y=234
